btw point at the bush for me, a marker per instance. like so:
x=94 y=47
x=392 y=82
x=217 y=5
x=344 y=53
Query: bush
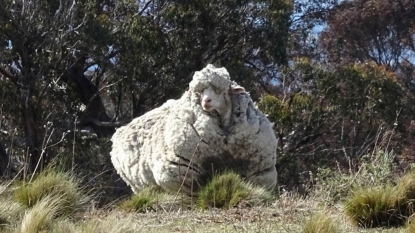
x=55 y=184
x=320 y=223
x=229 y=190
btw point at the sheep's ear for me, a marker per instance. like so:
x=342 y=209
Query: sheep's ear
x=238 y=89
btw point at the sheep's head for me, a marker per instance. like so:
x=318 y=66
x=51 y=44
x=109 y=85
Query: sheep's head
x=213 y=85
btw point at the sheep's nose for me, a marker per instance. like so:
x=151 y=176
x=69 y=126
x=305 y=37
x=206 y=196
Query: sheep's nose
x=207 y=99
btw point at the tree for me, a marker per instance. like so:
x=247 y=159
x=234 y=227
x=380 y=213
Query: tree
x=381 y=31
x=4 y=160
x=43 y=55
x=336 y=116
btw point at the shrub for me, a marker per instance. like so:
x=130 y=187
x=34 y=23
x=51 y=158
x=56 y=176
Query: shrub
x=52 y=183
x=228 y=190
x=320 y=223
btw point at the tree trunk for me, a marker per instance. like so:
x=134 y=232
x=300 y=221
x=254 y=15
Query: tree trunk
x=95 y=110
x=4 y=160
x=31 y=137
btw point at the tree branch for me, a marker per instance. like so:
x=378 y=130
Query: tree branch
x=101 y=123
x=8 y=75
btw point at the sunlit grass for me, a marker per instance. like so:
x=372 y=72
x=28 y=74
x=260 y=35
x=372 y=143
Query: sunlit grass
x=41 y=216
x=143 y=201
x=228 y=190
x=52 y=183
x=321 y=223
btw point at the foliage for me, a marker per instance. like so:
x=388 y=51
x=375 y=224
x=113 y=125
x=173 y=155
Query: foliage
x=228 y=190
x=52 y=184
x=321 y=223
x=379 y=31
x=333 y=117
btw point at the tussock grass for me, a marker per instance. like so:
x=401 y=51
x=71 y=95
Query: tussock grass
x=321 y=223
x=410 y=225
x=405 y=195
x=373 y=207
x=386 y=206
x=52 y=183
x=10 y=213
x=41 y=216
x=143 y=201
x=228 y=190
x=64 y=226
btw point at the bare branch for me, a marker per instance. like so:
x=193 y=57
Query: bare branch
x=8 y=75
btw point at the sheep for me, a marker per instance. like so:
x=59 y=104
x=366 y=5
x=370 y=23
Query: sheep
x=213 y=127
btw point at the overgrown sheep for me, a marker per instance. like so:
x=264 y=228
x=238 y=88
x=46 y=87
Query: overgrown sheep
x=213 y=127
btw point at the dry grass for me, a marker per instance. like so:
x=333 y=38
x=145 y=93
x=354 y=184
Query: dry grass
x=288 y=213
x=10 y=213
x=321 y=223
x=52 y=183
x=41 y=216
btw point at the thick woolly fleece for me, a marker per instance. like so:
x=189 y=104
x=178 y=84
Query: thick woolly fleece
x=178 y=146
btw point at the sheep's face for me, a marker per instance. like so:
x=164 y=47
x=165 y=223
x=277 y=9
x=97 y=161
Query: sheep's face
x=211 y=99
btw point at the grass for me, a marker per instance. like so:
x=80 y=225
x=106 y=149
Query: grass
x=321 y=223
x=385 y=206
x=52 y=183
x=10 y=213
x=41 y=216
x=245 y=208
x=229 y=190
x=143 y=201
x=373 y=207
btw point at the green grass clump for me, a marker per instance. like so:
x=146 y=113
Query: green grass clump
x=229 y=190
x=373 y=207
x=52 y=183
x=321 y=223
x=383 y=207
x=143 y=201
